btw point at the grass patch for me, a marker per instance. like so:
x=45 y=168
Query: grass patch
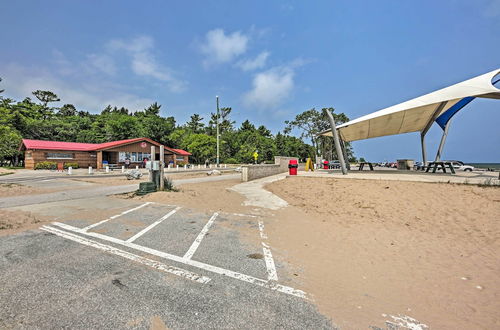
x=6 y=173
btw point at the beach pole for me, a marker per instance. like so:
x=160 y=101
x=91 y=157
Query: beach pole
x=336 y=139
x=443 y=140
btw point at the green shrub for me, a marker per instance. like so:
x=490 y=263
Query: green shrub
x=46 y=166
x=73 y=165
x=181 y=164
x=231 y=161
x=168 y=185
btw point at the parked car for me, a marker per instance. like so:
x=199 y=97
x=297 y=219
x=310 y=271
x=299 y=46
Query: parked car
x=460 y=166
x=334 y=164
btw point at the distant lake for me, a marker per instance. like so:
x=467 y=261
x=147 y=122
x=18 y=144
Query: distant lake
x=495 y=166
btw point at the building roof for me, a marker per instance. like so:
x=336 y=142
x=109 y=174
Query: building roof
x=76 y=146
x=56 y=145
x=179 y=152
x=419 y=113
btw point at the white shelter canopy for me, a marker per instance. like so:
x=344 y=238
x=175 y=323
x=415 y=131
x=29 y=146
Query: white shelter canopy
x=418 y=114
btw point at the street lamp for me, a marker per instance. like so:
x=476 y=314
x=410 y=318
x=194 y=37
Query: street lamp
x=217 y=99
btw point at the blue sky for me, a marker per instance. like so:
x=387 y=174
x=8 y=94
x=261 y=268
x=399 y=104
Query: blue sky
x=268 y=60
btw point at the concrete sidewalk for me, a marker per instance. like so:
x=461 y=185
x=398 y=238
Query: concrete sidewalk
x=94 y=192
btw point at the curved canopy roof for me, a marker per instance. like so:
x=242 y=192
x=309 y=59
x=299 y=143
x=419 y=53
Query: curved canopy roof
x=419 y=113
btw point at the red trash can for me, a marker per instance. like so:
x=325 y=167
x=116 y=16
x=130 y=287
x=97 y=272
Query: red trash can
x=325 y=164
x=293 y=165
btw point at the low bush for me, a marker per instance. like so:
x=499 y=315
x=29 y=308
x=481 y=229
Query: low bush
x=168 y=185
x=231 y=161
x=73 y=165
x=181 y=164
x=46 y=166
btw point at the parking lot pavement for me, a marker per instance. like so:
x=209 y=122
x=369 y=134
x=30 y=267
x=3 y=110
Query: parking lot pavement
x=140 y=262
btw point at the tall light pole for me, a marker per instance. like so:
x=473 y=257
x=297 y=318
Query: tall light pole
x=217 y=98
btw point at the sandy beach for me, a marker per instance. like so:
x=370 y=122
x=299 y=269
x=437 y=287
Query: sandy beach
x=370 y=249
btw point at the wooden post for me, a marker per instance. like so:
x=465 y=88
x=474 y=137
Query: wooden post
x=99 y=160
x=162 y=166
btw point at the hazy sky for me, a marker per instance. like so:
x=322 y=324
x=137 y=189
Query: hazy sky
x=268 y=60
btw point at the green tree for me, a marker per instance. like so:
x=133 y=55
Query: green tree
x=195 y=124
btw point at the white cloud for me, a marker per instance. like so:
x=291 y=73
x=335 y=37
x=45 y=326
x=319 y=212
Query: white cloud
x=102 y=62
x=221 y=48
x=270 y=88
x=19 y=82
x=255 y=63
x=144 y=62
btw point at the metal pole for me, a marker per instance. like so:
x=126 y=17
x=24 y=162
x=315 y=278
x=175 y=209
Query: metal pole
x=337 y=141
x=162 y=166
x=443 y=140
x=344 y=150
x=153 y=155
x=217 y=130
x=424 y=154
x=436 y=113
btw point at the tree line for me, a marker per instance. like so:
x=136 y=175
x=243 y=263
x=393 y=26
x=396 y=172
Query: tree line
x=37 y=119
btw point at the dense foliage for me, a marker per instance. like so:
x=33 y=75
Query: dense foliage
x=39 y=120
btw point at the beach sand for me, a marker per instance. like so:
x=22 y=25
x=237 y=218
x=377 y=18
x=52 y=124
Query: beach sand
x=368 y=249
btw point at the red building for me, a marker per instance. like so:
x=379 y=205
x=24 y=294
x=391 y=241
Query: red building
x=98 y=154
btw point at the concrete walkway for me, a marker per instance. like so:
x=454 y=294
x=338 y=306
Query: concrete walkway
x=94 y=192
x=256 y=195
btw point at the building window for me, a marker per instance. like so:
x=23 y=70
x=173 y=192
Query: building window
x=121 y=156
x=133 y=157
x=28 y=154
x=59 y=155
x=179 y=159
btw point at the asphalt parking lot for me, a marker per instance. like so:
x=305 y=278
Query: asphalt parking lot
x=117 y=263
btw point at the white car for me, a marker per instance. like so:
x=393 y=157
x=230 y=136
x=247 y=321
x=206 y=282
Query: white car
x=460 y=166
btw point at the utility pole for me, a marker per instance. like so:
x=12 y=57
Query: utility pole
x=218 y=137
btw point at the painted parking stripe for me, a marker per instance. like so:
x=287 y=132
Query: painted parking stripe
x=272 y=274
x=199 y=238
x=145 y=261
x=154 y=224
x=214 y=269
x=116 y=216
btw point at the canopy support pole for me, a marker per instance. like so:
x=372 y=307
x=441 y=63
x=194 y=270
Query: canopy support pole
x=344 y=152
x=436 y=113
x=443 y=140
x=336 y=139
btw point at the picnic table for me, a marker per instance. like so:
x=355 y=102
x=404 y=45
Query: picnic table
x=362 y=164
x=439 y=166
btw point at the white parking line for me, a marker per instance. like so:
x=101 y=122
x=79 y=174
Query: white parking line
x=115 y=216
x=130 y=256
x=272 y=275
x=199 y=238
x=214 y=269
x=151 y=226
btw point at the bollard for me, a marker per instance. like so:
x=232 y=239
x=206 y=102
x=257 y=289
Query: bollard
x=90 y=170
x=225 y=165
x=70 y=170
x=210 y=166
x=177 y=167
x=107 y=169
x=136 y=167
x=185 y=167
x=199 y=166
x=123 y=169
